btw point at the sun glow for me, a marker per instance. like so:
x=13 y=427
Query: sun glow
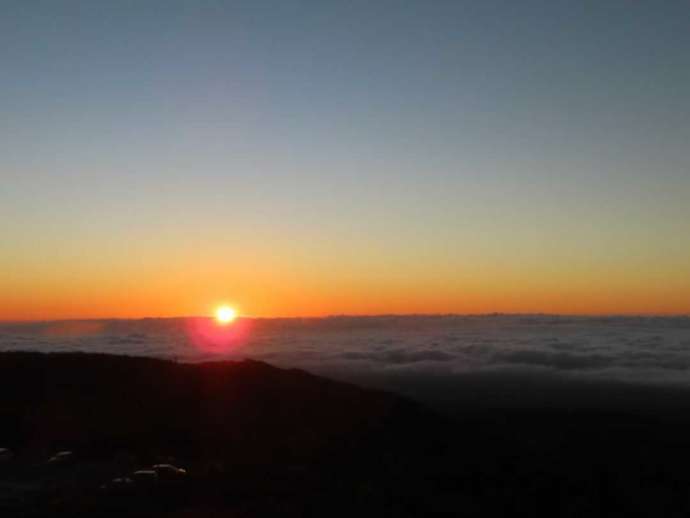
x=225 y=315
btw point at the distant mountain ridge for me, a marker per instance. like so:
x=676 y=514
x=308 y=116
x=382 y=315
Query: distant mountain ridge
x=235 y=409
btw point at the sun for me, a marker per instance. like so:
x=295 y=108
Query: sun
x=225 y=315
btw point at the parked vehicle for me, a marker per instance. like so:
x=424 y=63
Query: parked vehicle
x=169 y=472
x=61 y=457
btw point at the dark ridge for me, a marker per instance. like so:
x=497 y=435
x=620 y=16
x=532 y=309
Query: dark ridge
x=237 y=410
x=252 y=435
x=261 y=441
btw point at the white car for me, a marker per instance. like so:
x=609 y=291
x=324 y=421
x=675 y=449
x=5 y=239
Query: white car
x=168 y=471
x=61 y=457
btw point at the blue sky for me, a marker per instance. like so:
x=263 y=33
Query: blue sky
x=503 y=137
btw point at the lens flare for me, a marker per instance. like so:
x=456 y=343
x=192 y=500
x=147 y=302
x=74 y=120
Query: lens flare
x=225 y=315
x=223 y=333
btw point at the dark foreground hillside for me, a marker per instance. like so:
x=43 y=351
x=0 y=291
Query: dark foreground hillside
x=260 y=441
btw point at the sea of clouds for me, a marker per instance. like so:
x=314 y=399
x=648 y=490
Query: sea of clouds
x=653 y=350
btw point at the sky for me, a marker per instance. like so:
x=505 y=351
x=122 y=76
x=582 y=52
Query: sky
x=315 y=158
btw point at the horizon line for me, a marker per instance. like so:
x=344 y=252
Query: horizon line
x=355 y=315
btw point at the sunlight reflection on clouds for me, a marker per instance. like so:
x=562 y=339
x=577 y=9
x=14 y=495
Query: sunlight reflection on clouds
x=643 y=349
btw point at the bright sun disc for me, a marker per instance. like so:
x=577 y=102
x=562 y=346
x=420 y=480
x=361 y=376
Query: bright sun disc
x=225 y=315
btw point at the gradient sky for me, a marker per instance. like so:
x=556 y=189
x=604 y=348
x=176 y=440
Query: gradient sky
x=311 y=158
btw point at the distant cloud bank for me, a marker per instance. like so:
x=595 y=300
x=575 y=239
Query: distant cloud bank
x=640 y=349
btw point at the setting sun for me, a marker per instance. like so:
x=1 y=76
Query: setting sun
x=225 y=315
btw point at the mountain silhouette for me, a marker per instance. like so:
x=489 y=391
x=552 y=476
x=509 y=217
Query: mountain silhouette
x=83 y=435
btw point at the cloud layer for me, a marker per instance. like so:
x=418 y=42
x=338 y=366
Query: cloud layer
x=649 y=350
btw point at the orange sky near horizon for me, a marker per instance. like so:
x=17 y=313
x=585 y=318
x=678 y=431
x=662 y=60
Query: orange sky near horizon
x=281 y=290
x=327 y=158
x=185 y=268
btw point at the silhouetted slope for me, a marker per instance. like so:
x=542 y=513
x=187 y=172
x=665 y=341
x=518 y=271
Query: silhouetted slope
x=242 y=428
x=262 y=441
x=235 y=410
